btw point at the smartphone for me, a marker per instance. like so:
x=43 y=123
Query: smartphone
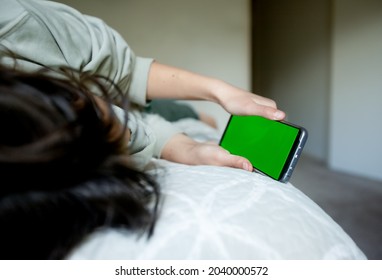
x=273 y=147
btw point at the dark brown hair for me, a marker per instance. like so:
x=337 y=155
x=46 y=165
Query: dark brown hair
x=62 y=176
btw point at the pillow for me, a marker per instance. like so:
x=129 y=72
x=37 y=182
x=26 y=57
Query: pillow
x=210 y=212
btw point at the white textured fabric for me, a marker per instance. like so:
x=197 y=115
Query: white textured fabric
x=224 y=213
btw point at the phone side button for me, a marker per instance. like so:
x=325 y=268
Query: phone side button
x=294 y=162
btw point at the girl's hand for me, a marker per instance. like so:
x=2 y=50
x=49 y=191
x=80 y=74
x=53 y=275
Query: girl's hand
x=170 y=82
x=182 y=149
x=240 y=102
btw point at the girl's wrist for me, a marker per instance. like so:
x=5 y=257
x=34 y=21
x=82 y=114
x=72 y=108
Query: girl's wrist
x=215 y=90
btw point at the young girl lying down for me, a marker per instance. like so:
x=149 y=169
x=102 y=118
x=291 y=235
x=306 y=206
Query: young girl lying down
x=68 y=176
x=63 y=141
x=69 y=165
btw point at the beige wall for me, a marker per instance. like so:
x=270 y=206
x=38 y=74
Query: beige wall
x=292 y=51
x=322 y=62
x=210 y=37
x=356 y=92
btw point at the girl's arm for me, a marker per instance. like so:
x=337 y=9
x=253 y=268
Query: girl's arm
x=170 y=82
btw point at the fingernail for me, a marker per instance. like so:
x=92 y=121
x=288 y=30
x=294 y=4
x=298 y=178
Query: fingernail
x=245 y=166
x=278 y=115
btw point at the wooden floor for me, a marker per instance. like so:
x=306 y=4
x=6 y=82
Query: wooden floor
x=355 y=203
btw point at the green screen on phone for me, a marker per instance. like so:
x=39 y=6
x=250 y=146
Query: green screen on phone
x=265 y=143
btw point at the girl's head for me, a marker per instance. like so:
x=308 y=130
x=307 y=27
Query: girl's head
x=51 y=123
x=64 y=166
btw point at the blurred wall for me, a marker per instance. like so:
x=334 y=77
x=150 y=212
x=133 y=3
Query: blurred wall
x=292 y=63
x=322 y=62
x=356 y=88
x=209 y=37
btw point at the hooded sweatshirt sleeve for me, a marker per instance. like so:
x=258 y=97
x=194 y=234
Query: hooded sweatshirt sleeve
x=45 y=33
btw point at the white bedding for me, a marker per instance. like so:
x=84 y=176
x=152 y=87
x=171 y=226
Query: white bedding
x=223 y=213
